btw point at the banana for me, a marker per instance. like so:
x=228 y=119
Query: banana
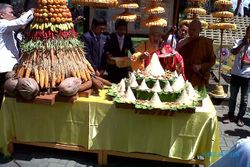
x=46 y=25
x=68 y=26
x=32 y=26
x=65 y=27
x=61 y=27
x=36 y=26
x=52 y=28
x=42 y=26
x=49 y=24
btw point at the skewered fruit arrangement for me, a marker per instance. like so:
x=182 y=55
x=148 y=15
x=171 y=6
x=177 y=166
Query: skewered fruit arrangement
x=194 y=10
x=222 y=12
x=204 y=24
x=96 y=3
x=51 y=52
x=127 y=15
x=154 y=20
x=154 y=10
x=195 y=7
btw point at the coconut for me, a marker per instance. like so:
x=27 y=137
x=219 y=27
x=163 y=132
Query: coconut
x=156 y=87
x=69 y=86
x=10 y=86
x=154 y=68
x=155 y=101
x=10 y=74
x=143 y=85
x=27 y=88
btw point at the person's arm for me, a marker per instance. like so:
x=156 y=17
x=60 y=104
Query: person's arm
x=18 y=23
x=236 y=50
x=137 y=61
x=182 y=43
x=87 y=48
x=211 y=58
x=108 y=47
x=103 y=58
x=131 y=46
x=246 y=62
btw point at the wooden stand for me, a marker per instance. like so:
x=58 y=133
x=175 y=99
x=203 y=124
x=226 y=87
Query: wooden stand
x=146 y=156
x=70 y=99
x=41 y=99
x=50 y=99
x=58 y=146
x=103 y=154
x=85 y=93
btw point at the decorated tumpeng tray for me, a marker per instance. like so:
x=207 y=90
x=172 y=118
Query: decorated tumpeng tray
x=156 y=91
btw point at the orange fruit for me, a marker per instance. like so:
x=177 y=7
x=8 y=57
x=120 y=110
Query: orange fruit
x=51 y=10
x=59 y=15
x=52 y=20
x=51 y=2
x=58 y=19
x=44 y=2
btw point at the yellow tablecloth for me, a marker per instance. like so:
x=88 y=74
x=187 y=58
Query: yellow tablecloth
x=96 y=123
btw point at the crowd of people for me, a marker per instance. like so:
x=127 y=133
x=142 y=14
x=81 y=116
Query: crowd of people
x=192 y=54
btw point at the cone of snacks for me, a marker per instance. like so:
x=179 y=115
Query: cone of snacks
x=52 y=58
x=194 y=10
x=154 y=10
x=155 y=91
x=222 y=13
x=96 y=3
x=127 y=15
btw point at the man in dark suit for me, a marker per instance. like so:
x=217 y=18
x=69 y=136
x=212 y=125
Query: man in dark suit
x=118 y=44
x=94 y=42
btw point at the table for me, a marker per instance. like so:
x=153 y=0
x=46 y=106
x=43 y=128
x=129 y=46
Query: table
x=96 y=124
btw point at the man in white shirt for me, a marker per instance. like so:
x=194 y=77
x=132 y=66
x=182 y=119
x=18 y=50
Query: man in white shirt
x=240 y=78
x=8 y=45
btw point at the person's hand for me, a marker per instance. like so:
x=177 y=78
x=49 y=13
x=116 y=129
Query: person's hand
x=79 y=19
x=97 y=73
x=32 y=10
x=182 y=43
x=109 y=59
x=101 y=73
x=135 y=56
x=173 y=29
x=144 y=55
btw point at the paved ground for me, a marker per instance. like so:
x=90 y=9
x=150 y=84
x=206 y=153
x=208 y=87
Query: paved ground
x=27 y=156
